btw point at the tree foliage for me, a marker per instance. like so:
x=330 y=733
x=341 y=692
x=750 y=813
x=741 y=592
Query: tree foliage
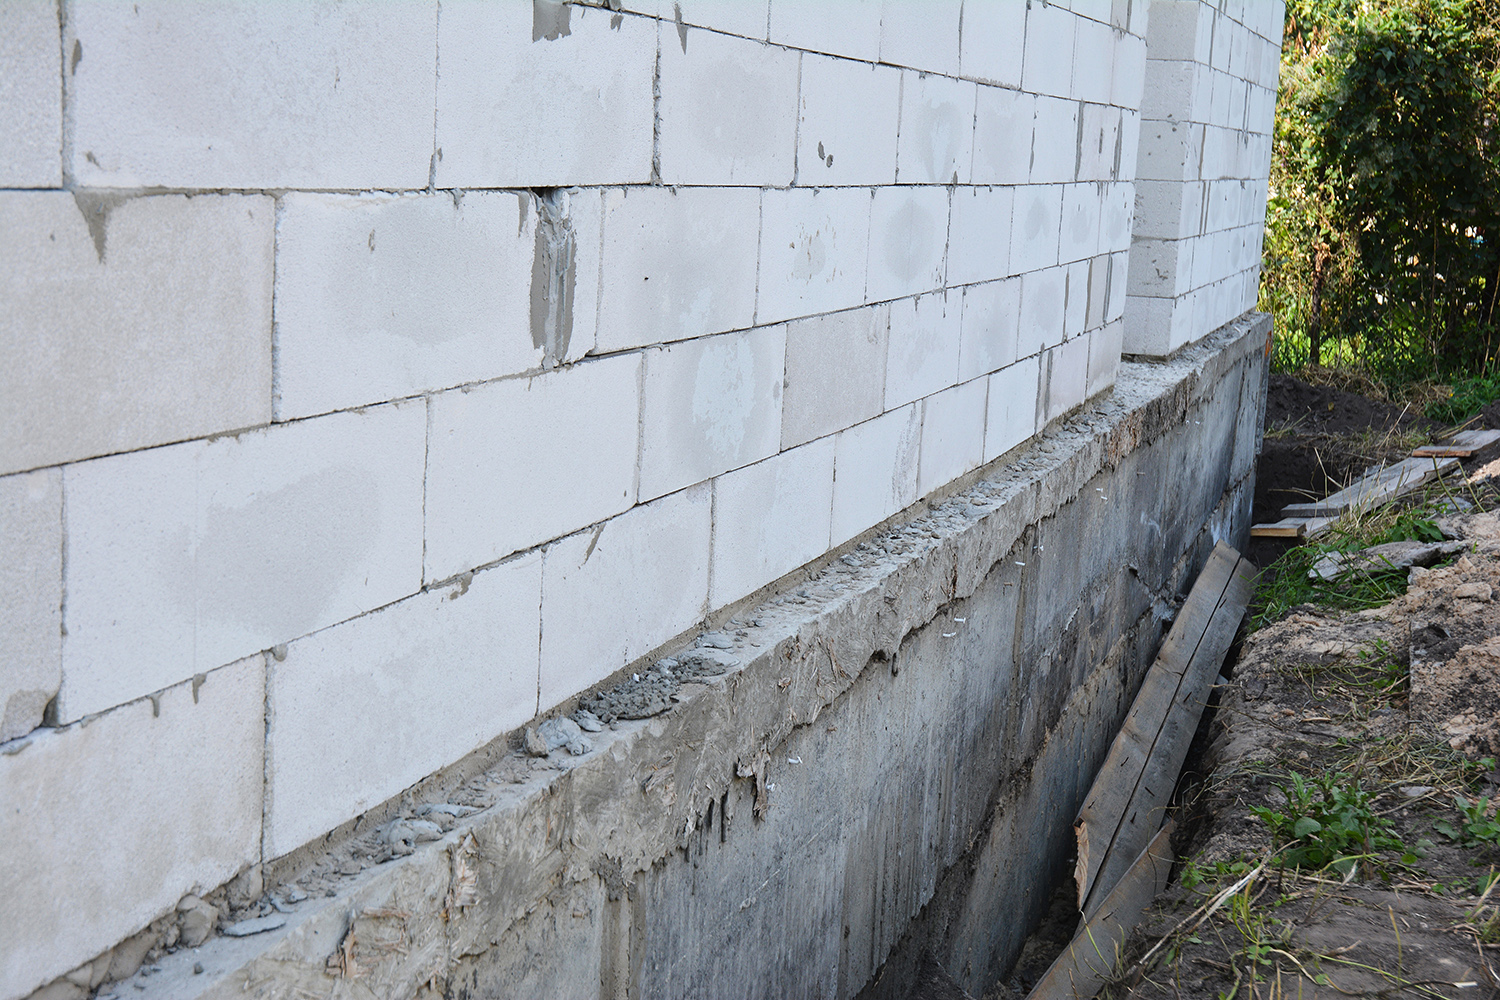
x=1383 y=229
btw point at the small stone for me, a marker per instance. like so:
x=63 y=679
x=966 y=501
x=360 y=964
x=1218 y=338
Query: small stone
x=579 y=746
x=258 y=925
x=197 y=968
x=715 y=640
x=588 y=721
x=1415 y=791
x=399 y=837
x=295 y=895
x=536 y=745
x=560 y=732
x=196 y=923
x=425 y=830
x=60 y=989
x=129 y=954
x=1474 y=591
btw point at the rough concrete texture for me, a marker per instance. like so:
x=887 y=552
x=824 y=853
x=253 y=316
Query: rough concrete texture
x=179 y=95
x=156 y=310
x=31 y=622
x=30 y=100
x=184 y=558
x=86 y=869
x=890 y=761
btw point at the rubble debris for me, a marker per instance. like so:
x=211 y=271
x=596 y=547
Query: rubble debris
x=255 y=925
x=1380 y=558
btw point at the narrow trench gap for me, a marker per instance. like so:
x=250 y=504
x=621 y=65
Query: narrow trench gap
x=1061 y=920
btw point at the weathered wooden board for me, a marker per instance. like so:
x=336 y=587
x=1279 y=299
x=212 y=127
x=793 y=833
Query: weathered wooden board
x=1093 y=957
x=1378 y=487
x=1465 y=444
x=1128 y=799
x=1292 y=527
x=1287 y=527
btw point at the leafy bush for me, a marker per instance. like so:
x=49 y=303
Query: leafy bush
x=1475 y=825
x=1383 y=226
x=1328 y=824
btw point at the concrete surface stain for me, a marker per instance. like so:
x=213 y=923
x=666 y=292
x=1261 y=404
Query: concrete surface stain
x=907 y=239
x=724 y=394
x=273 y=564
x=812 y=257
x=941 y=123
x=681 y=28
x=77 y=57
x=554 y=273
x=95 y=207
x=550 y=19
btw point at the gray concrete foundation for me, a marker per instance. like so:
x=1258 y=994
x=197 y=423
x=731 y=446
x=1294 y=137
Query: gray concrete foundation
x=894 y=763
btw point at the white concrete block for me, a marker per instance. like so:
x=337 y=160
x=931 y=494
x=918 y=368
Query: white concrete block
x=834 y=27
x=1117 y=211
x=160 y=318
x=1081 y=206
x=30 y=598
x=1181 y=29
x=1093 y=61
x=1065 y=370
x=979 y=234
x=770 y=518
x=987 y=338
x=921 y=36
x=241 y=95
x=1099 y=142
x=355 y=707
x=835 y=372
x=1162 y=268
x=952 y=434
x=1129 y=72
x=1037 y=228
x=710 y=405
x=676 y=264
x=994 y=39
x=1011 y=407
x=1153 y=324
x=923 y=353
x=936 y=145
x=516 y=108
x=31 y=94
x=515 y=463
x=908 y=241
x=1043 y=302
x=1049 y=50
x=813 y=251
x=107 y=825
x=184 y=558
x=1168 y=151
x=728 y=110
x=1168 y=210
x=844 y=141
x=1098 y=291
x=875 y=471
x=1130 y=144
x=1054 y=148
x=1119 y=277
x=1075 y=298
x=1104 y=357
x=747 y=18
x=1097 y=10
x=383 y=297
x=1003 y=123
x=611 y=596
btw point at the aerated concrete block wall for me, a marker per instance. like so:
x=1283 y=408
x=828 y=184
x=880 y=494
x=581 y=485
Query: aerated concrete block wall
x=382 y=375
x=1203 y=169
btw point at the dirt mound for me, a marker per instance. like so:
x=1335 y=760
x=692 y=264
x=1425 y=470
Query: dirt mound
x=1322 y=409
x=1345 y=738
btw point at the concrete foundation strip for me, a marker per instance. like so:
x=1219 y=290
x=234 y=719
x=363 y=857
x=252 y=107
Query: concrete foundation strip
x=1130 y=793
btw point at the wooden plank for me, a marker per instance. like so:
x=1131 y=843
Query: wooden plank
x=1379 y=487
x=1465 y=444
x=1124 y=806
x=1287 y=527
x=1317 y=526
x=1093 y=957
